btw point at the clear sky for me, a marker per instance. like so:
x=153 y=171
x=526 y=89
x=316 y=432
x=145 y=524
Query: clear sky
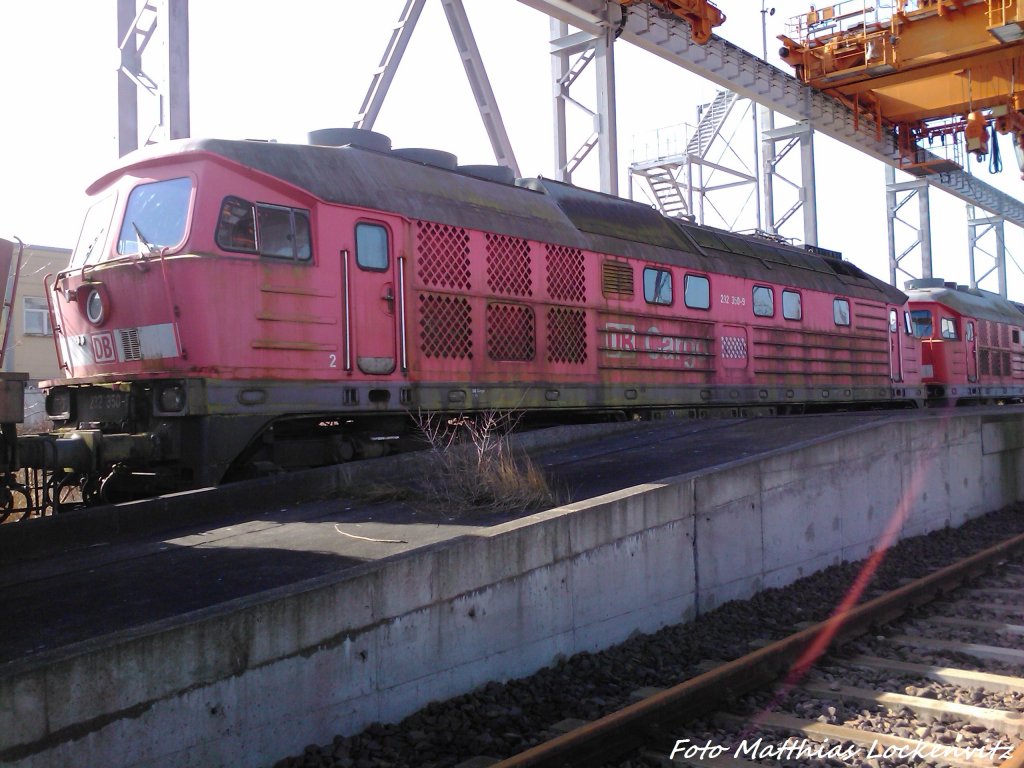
x=265 y=69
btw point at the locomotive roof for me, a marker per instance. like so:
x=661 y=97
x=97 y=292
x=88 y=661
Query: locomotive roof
x=538 y=209
x=972 y=302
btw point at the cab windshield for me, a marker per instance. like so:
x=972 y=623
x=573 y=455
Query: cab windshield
x=922 y=320
x=155 y=216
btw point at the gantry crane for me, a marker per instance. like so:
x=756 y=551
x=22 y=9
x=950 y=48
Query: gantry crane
x=951 y=70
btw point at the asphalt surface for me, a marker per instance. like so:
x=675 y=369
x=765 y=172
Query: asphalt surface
x=125 y=583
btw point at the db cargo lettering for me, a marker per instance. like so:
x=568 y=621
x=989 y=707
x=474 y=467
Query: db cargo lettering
x=622 y=343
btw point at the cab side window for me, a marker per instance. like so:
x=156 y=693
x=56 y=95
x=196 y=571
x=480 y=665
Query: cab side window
x=276 y=231
x=697 y=292
x=841 y=312
x=792 y=308
x=657 y=286
x=764 y=301
x=372 y=247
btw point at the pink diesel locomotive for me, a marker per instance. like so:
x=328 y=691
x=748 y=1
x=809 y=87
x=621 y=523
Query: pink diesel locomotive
x=235 y=307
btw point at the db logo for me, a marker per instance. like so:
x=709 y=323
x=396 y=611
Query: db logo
x=103 y=347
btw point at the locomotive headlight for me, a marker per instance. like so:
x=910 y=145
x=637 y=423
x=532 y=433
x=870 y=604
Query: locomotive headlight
x=171 y=398
x=95 y=307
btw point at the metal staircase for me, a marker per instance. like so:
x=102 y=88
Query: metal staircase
x=676 y=178
x=670 y=195
x=712 y=118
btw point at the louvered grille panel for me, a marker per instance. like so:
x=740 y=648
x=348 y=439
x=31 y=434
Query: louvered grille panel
x=443 y=255
x=616 y=278
x=510 y=332
x=131 y=348
x=983 y=364
x=508 y=266
x=1005 y=358
x=445 y=327
x=567 y=335
x=565 y=274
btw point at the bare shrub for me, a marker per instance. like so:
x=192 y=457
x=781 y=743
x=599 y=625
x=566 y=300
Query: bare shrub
x=473 y=469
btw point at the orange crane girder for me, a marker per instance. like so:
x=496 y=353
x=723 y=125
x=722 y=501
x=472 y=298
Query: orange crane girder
x=702 y=15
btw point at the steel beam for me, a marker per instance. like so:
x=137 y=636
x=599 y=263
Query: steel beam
x=472 y=62
x=478 y=82
x=385 y=73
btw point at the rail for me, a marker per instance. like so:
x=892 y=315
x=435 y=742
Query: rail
x=601 y=741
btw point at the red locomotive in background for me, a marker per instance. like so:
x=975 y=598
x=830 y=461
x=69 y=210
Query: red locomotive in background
x=971 y=342
x=235 y=307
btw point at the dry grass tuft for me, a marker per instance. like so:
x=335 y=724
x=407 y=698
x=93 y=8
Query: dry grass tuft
x=472 y=468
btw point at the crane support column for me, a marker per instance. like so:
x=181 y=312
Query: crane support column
x=127 y=91
x=977 y=230
x=571 y=54
x=560 y=68
x=164 y=77
x=791 y=136
x=607 y=127
x=921 y=231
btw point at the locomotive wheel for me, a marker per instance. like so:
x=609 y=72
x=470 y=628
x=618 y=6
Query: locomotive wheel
x=89 y=485
x=6 y=504
x=63 y=492
x=9 y=508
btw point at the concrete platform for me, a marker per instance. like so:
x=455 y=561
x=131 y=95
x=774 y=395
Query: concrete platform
x=239 y=643
x=106 y=582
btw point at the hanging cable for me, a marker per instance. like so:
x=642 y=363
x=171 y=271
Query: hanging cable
x=995 y=159
x=623 y=12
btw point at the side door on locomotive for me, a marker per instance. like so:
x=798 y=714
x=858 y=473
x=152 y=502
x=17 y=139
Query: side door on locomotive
x=896 y=337
x=373 y=297
x=971 y=348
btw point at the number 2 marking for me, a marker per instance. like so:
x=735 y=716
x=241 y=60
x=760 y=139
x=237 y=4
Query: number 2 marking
x=334 y=361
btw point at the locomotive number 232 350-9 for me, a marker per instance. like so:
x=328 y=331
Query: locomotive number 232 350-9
x=736 y=301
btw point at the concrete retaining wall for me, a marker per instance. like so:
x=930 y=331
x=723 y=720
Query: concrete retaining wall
x=251 y=682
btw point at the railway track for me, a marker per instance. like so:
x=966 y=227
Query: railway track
x=928 y=674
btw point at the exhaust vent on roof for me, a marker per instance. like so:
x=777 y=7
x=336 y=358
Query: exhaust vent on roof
x=924 y=282
x=354 y=137
x=426 y=156
x=498 y=173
